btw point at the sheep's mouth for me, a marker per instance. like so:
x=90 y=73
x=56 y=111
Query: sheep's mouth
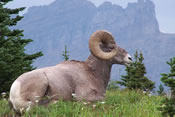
x=127 y=64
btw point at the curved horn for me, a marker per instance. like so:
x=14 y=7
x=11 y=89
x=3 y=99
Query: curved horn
x=101 y=37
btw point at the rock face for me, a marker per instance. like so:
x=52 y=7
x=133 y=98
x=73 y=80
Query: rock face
x=71 y=22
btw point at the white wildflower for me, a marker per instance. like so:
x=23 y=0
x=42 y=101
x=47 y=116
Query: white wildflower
x=21 y=110
x=55 y=101
x=29 y=103
x=144 y=92
x=163 y=105
x=3 y=94
x=149 y=95
x=103 y=102
x=93 y=105
x=36 y=101
x=28 y=108
x=84 y=103
x=73 y=94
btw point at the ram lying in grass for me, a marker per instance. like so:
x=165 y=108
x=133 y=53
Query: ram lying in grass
x=87 y=79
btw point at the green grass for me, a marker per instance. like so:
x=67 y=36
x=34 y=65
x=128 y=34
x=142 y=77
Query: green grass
x=117 y=104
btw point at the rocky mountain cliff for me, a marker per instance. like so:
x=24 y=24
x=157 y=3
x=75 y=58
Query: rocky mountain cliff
x=71 y=22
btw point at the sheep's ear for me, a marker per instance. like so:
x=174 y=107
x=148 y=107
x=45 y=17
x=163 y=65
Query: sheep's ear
x=105 y=38
x=111 y=46
x=107 y=46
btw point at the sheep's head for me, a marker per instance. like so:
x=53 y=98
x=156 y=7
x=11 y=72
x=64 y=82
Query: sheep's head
x=102 y=45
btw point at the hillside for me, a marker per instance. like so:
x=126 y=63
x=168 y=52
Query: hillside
x=71 y=22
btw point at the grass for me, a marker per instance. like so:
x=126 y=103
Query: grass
x=117 y=104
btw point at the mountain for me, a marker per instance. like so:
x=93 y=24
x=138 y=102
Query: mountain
x=71 y=22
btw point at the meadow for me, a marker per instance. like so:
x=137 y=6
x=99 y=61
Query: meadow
x=118 y=103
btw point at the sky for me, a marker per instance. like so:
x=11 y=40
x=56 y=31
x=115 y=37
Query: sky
x=165 y=10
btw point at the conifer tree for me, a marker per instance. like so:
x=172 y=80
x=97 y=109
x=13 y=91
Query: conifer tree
x=135 y=77
x=65 y=53
x=13 y=60
x=168 y=104
x=161 y=90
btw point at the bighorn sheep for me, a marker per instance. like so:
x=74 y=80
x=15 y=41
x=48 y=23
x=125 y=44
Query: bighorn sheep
x=87 y=79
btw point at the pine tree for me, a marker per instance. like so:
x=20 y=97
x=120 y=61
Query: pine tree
x=65 y=54
x=135 y=77
x=161 y=90
x=168 y=104
x=13 y=60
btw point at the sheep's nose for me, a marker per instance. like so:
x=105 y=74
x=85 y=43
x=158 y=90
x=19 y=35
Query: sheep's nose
x=130 y=58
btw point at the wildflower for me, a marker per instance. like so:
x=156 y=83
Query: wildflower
x=144 y=92
x=73 y=94
x=28 y=106
x=27 y=109
x=103 y=102
x=55 y=101
x=93 y=106
x=36 y=101
x=21 y=110
x=84 y=103
x=149 y=95
x=29 y=103
x=3 y=94
x=163 y=105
